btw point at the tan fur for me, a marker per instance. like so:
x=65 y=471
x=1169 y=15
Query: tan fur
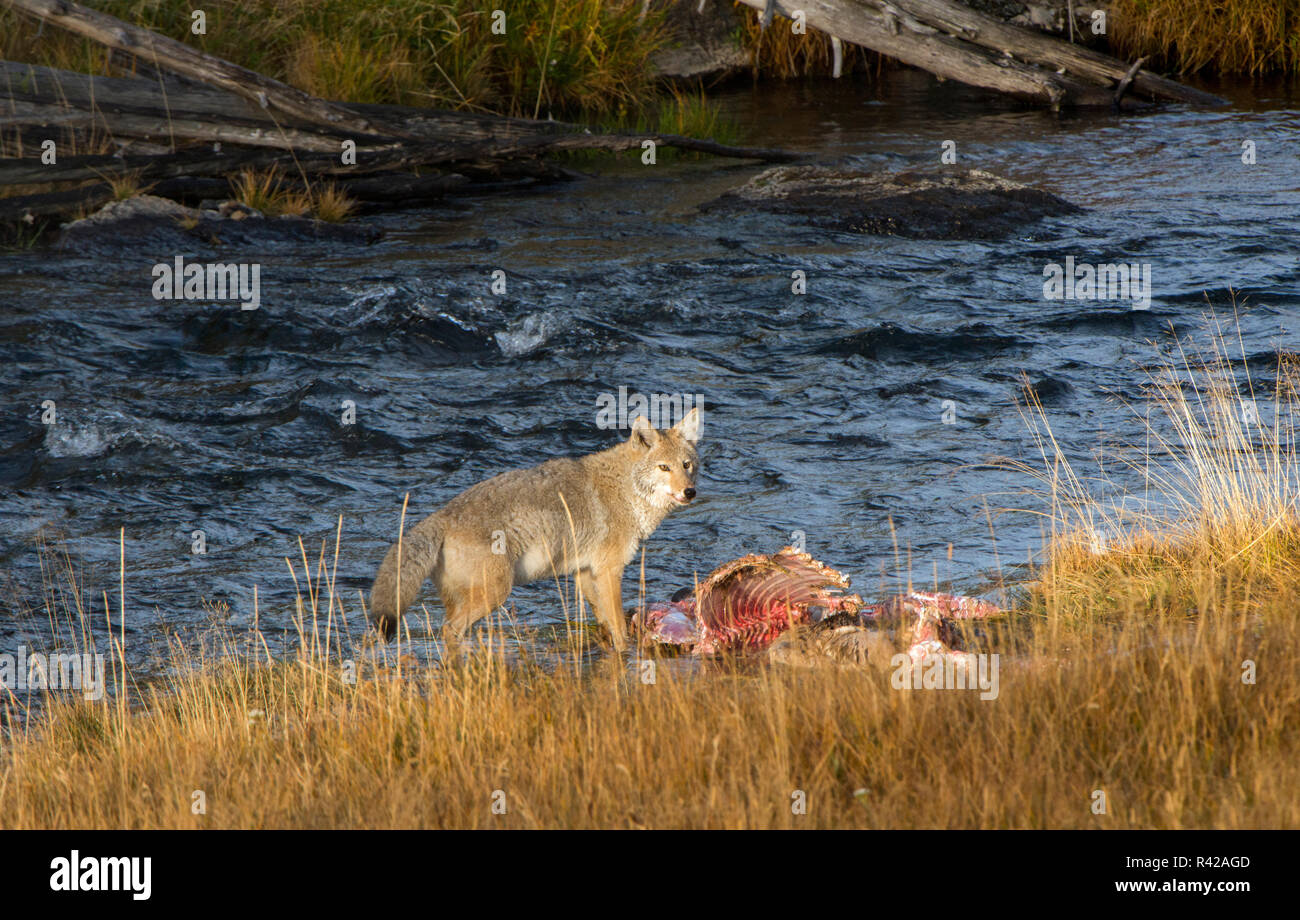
x=576 y=515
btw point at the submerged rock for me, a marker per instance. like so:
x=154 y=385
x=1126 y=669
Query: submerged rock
x=927 y=205
x=151 y=220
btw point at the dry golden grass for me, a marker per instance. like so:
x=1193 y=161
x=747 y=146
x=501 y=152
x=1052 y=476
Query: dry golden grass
x=268 y=191
x=1226 y=36
x=331 y=203
x=126 y=185
x=1221 y=474
x=274 y=194
x=345 y=68
x=779 y=52
x=1153 y=714
x=1121 y=673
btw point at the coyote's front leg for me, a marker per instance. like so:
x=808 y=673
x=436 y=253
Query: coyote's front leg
x=604 y=591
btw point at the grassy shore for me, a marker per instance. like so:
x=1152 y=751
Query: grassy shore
x=584 y=59
x=581 y=60
x=1151 y=670
x=560 y=57
x=1251 y=37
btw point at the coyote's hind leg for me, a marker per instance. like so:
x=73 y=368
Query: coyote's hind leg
x=470 y=595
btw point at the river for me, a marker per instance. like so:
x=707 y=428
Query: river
x=867 y=414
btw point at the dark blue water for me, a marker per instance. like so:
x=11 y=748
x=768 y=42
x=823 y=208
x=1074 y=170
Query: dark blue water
x=824 y=410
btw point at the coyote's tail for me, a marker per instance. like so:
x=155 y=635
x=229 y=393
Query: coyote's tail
x=420 y=550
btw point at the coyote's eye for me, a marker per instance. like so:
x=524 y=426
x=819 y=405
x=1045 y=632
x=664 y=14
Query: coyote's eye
x=665 y=467
x=686 y=465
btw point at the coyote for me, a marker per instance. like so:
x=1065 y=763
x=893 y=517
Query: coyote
x=585 y=515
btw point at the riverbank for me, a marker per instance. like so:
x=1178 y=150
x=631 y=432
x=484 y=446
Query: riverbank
x=1153 y=725
x=165 y=131
x=601 y=62
x=1146 y=679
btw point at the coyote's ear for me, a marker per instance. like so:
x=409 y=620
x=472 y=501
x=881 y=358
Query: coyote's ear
x=643 y=433
x=689 y=426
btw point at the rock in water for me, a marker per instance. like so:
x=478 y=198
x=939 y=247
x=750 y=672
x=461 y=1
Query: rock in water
x=930 y=205
x=161 y=227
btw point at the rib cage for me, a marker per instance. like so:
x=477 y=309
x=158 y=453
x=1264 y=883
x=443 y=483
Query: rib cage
x=748 y=602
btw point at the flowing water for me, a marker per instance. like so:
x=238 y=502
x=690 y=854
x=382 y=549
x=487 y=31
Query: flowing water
x=825 y=412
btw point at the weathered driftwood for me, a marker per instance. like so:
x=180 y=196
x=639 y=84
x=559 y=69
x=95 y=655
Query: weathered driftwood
x=958 y=43
x=168 y=130
x=201 y=161
x=921 y=46
x=161 y=111
x=168 y=95
x=76 y=202
x=323 y=157
x=1037 y=48
x=191 y=111
x=152 y=93
x=30 y=94
x=1127 y=81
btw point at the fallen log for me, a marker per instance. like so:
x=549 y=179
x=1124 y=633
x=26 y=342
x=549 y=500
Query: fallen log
x=205 y=161
x=497 y=161
x=159 y=111
x=876 y=28
x=54 y=205
x=78 y=202
x=22 y=141
x=197 y=162
x=959 y=43
x=36 y=93
x=164 y=129
x=138 y=108
x=168 y=95
x=85 y=91
x=1037 y=48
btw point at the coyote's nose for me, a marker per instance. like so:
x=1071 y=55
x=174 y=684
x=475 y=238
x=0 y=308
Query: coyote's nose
x=689 y=493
